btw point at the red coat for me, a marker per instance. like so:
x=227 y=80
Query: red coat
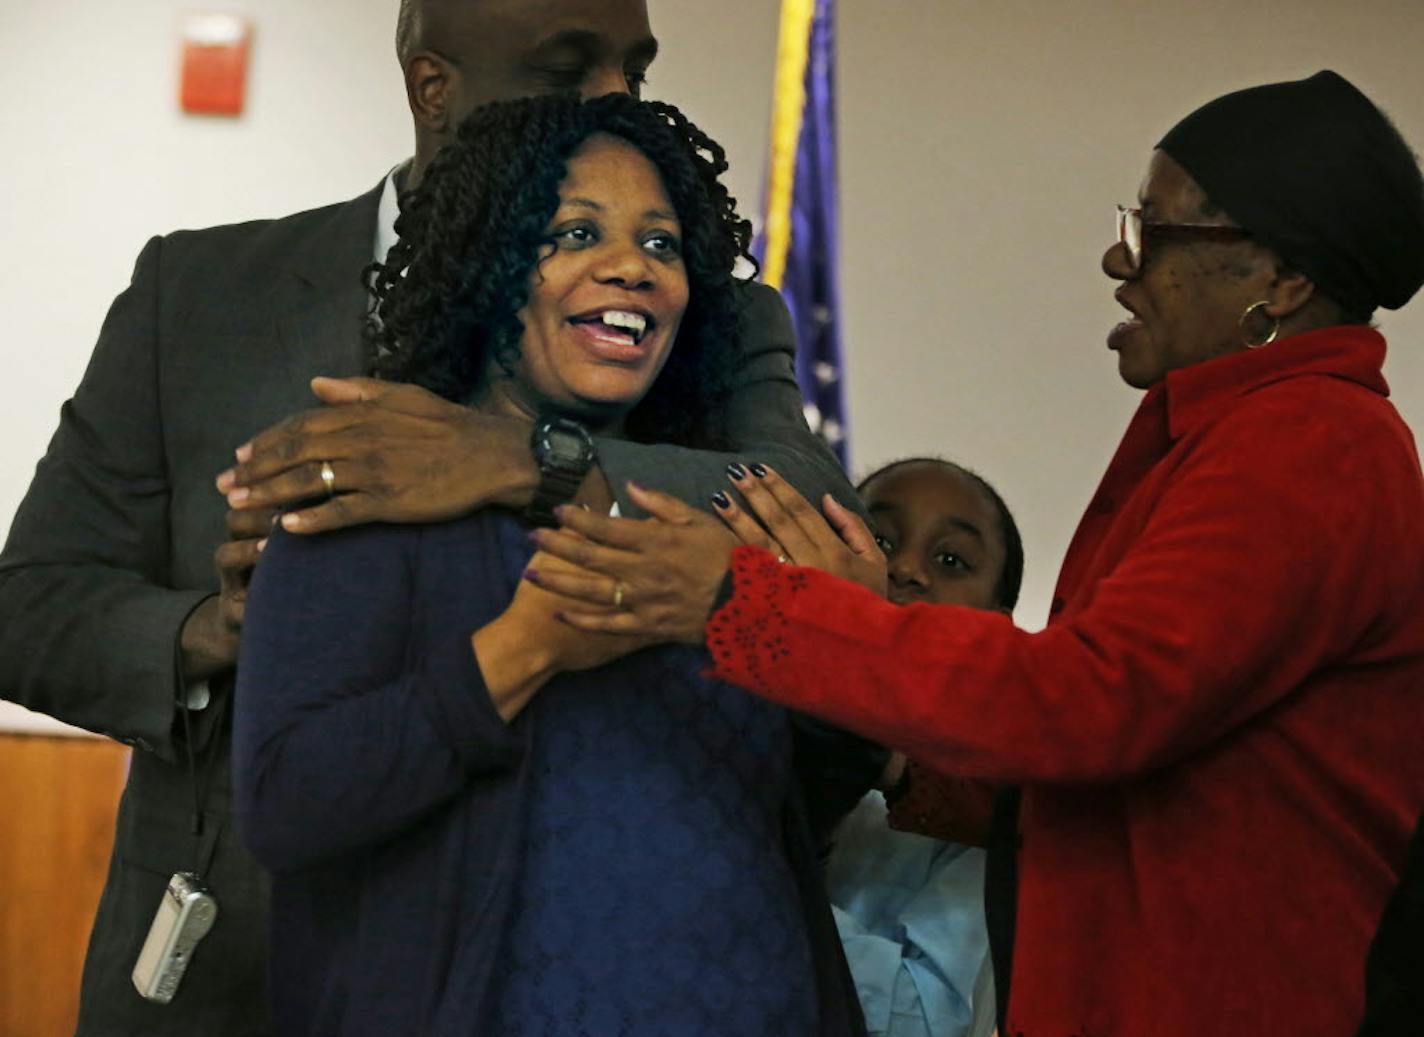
x=1221 y=731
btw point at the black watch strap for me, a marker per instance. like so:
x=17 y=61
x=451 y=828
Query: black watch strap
x=556 y=486
x=564 y=452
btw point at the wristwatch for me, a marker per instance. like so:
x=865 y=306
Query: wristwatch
x=564 y=452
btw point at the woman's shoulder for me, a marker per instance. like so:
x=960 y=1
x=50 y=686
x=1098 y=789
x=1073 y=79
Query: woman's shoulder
x=370 y=536
x=375 y=542
x=1315 y=412
x=455 y=559
x=1329 y=450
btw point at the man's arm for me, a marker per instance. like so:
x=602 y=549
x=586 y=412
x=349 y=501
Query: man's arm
x=88 y=626
x=765 y=417
x=401 y=454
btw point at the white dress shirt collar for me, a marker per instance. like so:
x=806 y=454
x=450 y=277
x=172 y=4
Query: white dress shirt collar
x=387 y=213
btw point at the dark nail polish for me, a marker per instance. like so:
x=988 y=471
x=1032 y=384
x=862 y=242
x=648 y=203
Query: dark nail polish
x=736 y=471
x=759 y=471
x=534 y=536
x=721 y=500
x=532 y=575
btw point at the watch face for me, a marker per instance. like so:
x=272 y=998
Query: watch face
x=562 y=443
x=565 y=444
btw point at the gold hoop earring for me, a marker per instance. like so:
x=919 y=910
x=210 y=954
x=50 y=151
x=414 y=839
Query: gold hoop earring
x=1246 y=338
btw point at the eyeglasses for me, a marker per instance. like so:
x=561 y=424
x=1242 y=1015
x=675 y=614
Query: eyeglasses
x=1133 y=230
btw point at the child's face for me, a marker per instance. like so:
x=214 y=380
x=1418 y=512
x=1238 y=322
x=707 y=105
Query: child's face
x=940 y=534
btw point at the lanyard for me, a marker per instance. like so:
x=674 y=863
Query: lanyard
x=202 y=857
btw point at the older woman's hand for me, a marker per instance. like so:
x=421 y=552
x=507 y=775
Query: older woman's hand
x=660 y=574
x=842 y=546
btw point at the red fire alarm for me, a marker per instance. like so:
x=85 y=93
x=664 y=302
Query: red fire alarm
x=215 y=50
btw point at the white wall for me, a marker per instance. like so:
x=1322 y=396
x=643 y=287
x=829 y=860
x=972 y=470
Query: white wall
x=983 y=147
x=97 y=157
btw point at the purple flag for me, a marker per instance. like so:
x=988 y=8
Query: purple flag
x=799 y=246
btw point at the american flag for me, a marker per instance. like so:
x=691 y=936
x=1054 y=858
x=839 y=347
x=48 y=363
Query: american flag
x=798 y=247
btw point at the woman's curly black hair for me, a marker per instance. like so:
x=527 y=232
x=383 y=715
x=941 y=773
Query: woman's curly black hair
x=447 y=295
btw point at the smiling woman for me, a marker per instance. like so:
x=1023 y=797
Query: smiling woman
x=553 y=257
x=607 y=296
x=478 y=818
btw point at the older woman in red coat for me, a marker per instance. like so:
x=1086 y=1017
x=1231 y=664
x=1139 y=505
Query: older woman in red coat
x=1220 y=733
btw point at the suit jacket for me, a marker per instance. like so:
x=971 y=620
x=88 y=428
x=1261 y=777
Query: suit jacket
x=215 y=339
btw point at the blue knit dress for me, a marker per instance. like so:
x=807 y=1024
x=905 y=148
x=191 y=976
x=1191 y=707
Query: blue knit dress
x=613 y=863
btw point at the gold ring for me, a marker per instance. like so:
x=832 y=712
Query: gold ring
x=328 y=479
x=618 y=590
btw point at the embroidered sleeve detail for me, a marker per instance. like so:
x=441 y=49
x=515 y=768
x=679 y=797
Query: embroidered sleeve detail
x=747 y=635
x=944 y=807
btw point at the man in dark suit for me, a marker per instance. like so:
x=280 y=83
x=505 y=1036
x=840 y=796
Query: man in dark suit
x=111 y=617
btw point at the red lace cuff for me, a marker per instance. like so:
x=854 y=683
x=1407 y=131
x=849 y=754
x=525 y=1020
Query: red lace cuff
x=944 y=807
x=747 y=635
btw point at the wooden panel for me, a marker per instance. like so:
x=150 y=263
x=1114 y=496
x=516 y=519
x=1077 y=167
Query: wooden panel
x=56 y=830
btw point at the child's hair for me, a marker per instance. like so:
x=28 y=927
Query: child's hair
x=1010 y=582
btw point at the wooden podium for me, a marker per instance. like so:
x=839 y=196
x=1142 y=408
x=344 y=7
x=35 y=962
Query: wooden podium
x=60 y=792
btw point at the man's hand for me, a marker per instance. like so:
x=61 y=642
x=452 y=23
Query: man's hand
x=397 y=453
x=212 y=631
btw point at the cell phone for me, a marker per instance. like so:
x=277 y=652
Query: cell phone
x=185 y=915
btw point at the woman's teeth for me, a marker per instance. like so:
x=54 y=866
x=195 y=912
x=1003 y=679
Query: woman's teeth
x=634 y=324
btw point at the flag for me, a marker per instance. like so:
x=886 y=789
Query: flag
x=798 y=246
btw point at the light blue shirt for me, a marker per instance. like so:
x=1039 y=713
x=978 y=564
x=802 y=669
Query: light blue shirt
x=910 y=911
